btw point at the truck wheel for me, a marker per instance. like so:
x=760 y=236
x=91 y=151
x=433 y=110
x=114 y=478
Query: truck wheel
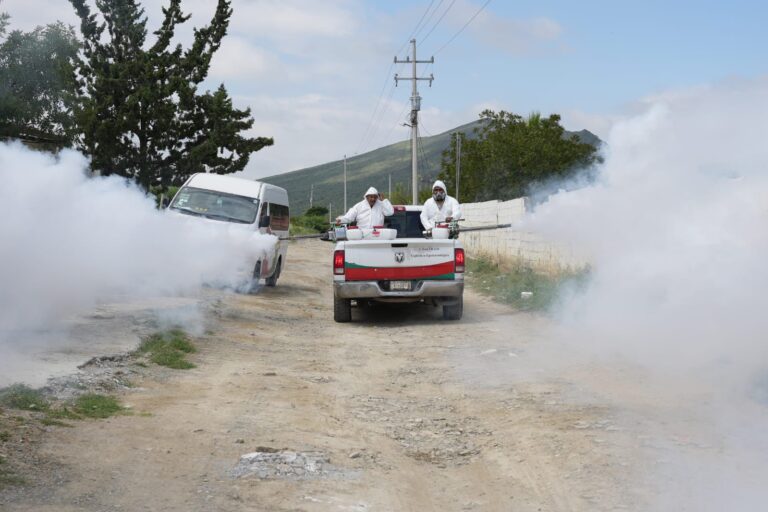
x=342 y=310
x=454 y=311
x=272 y=280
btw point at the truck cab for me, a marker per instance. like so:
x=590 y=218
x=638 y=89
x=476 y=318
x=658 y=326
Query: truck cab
x=407 y=268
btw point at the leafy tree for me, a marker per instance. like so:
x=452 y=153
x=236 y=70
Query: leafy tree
x=510 y=155
x=37 y=83
x=139 y=110
x=400 y=195
x=425 y=193
x=316 y=223
x=316 y=210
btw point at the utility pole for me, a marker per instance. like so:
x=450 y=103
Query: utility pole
x=415 y=107
x=389 y=195
x=330 y=213
x=458 y=162
x=345 y=182
x=311 y=194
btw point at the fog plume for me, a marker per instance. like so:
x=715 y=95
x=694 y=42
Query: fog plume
x=68 y=240
x=676 y=231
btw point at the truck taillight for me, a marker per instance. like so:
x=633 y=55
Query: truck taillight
x=338 y=262
x=458 y=260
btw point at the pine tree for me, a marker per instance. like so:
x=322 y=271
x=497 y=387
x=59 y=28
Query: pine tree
x=140 y=114
x=37 y=83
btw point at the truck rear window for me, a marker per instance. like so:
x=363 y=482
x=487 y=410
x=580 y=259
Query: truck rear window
x=407 y=224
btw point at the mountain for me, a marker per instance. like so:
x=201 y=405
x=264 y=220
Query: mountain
x=374 y=169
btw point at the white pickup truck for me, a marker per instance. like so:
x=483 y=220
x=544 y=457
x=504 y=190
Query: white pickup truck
x=409 y=268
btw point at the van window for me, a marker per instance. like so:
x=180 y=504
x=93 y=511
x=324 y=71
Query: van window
x=216 y=205
x=280 y=217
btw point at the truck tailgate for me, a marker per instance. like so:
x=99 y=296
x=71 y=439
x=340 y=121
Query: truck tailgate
x=399 y=259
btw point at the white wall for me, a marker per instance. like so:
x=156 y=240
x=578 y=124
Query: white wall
x=513 y=245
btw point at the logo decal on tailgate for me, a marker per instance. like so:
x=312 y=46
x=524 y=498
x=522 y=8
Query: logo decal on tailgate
x=399 y=257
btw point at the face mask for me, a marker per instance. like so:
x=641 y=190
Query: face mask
x=438 y=195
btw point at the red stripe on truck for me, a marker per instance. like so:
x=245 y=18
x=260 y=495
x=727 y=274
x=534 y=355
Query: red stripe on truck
x=389 y=273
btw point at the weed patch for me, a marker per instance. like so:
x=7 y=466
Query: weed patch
x=169 y=349
x=63 y=413
x=6 y=475
x=172 y=359
x=96 y=406
x=50 y=422
x=19 y=396
x=520 y=286
x=5 y=437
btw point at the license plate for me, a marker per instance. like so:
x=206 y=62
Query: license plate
x=401 y=286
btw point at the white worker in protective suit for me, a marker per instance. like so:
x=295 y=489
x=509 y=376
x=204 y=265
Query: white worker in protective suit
x=440 y=207
x=369 y=212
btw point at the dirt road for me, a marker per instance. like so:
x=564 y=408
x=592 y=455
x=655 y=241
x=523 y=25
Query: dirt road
x=396 y=411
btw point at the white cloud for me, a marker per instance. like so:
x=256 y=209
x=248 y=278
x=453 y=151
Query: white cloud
x=312 y=71
x=239 y=59
x=311 y=129
x=26 y=15
x=282 y=19
x=599 y=124
x=518 y=37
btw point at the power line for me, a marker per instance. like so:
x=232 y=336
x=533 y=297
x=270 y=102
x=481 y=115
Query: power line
x=377 y=121
x=424 y=129
x=470 y=20
x=375 y=109
x=397 y=121
x=438 y=21
x=423 y=151
x=415 y=107
x=418 y=27
x=437 y=8
x=414 y=33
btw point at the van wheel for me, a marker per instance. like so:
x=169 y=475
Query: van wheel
x=272 y=280
x=255 y=279
x=342 y=309
x=454 y=311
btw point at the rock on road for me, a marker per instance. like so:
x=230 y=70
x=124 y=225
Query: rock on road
x=397 y=411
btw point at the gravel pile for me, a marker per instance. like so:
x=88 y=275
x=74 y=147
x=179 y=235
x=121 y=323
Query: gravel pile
x=429 y=429
x=270 y=464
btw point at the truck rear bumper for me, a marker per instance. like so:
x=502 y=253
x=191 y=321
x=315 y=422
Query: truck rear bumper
x=422 y=289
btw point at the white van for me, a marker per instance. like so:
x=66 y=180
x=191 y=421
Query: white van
x=261 y=205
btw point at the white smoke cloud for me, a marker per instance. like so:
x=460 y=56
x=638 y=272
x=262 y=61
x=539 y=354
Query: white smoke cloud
x=676 y=230
x=68 y=240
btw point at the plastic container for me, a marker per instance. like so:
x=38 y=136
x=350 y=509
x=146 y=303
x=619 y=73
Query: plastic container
x=377 y=234
x=353 y=233
x=441 y=232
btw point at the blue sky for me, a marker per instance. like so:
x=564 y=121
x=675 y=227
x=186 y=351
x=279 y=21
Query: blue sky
x=314 y=71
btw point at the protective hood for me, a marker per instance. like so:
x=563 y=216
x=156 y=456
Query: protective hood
x=440 y=184
x=371 y=192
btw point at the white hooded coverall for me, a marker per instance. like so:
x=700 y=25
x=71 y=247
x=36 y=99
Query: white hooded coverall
x=434 y=212
x=368 y=216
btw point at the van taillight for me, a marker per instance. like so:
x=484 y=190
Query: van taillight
x=458 y=260
x=338 y=262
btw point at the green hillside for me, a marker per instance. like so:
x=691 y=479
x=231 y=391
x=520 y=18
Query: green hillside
x=372 y=169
